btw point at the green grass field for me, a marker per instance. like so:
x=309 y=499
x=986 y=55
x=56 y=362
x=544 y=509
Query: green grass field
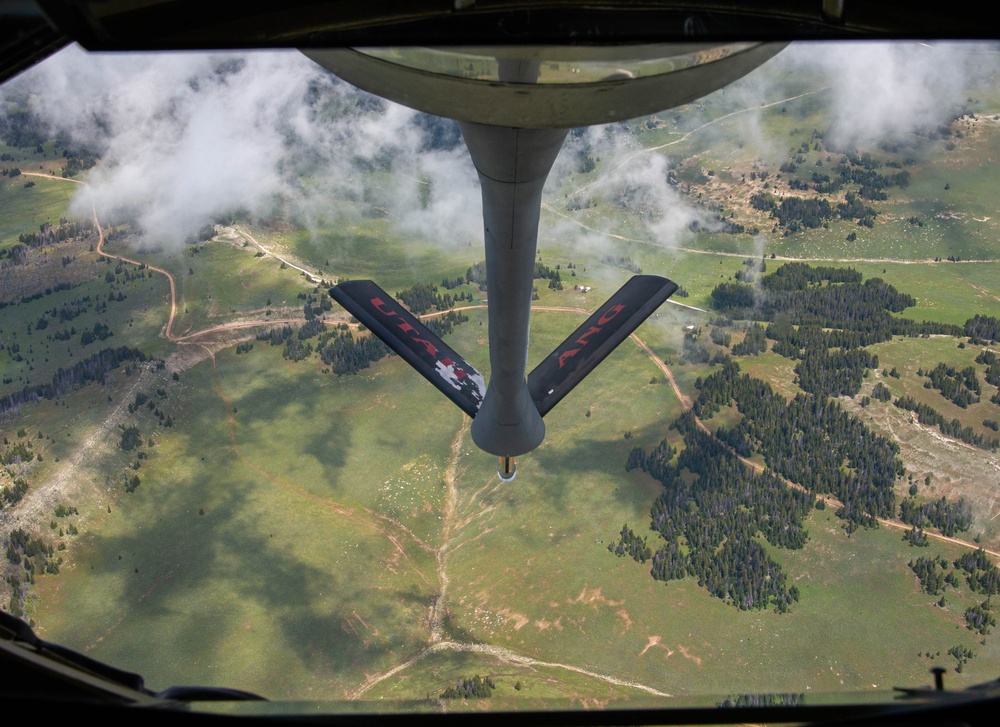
x=294 y=530
x=293 y=541
x=24 y=209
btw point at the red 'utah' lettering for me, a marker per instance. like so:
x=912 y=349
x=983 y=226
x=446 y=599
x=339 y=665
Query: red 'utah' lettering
x=432 y=350
x=584 y=339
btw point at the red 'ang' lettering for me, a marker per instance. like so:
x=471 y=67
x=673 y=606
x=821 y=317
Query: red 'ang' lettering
x=611 y=313
x=583 y=340
x=567 y=354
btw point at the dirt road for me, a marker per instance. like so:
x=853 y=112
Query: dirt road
x=100 y=251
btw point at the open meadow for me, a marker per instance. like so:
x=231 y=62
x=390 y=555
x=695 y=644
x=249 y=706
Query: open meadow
x=244 y=519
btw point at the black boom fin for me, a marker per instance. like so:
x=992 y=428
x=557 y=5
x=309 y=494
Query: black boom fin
x=412 y=340
x=589 y=344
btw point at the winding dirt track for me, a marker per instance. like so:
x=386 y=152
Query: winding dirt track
x=100 y=251
x=436 y=643
x=681 y=396
x=388 y=527
x=686 y=402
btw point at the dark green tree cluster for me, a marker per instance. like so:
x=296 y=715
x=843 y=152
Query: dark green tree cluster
x=814 y=311
x=800 y=276
x=315 y=305
x=632 y=545
x=720 y=337
x=794 y=213
x=143 y=399
x=754 y=342
x=309 y=329
x=12 y=494
x=544 y=272
x=100 y=332
x=930 y=416
x=452 y=283
x=130 y=439
x=795 y=295
x=670 y=563
x=656 y=462
x=93 y=368
x=64 y=313
x=444 y=325
x=872 y=184
x=31 y=553
x=963 y=655
x=622 y=261
x=983 y=329
x=49 y=234
x=862 y=307
x=475 y=688
x=948 y=517
x=810 y=440
x=931 y=575
x=125 y=273
x=855 y=170
x=130 y=482
x=71 y=309
x=423 y=297
x=345 y=354
x=276 y=336
x=17 y=453
x=833 y=372
x=916 y=537
x=22 y=127
x=960 y=387
x=881 y=392
x=992 y=363
x=979 y=618
x=795 y=341
x=710 y=522
x=296 y=350
x=980 y=573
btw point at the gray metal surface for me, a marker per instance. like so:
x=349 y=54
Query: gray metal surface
x=512 y=166
x=525 y=103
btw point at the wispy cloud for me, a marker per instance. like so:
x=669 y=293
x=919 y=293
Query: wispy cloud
x=184 y=138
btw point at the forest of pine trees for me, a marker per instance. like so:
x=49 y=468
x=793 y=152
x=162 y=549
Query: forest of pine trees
x=808 y=440
x=960 y=387
x=992 y=363
x=92 y=368
x=345 y=354
x=753 y=344
x=475 y=688
x=709 y=524
x=948 y=517
x=983 y=329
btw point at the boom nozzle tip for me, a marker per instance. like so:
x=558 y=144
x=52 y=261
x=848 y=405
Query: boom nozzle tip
x=507 y=469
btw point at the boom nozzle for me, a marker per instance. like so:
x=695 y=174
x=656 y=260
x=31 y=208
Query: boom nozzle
x=507 y=469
